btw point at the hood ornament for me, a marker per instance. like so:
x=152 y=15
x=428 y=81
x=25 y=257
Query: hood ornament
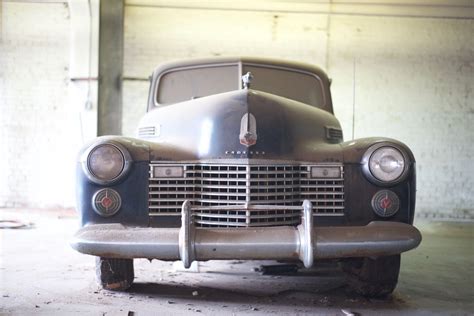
x=247 y=80
x=248 y=130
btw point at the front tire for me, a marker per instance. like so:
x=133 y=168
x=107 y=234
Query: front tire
x=373 y=277
x=114 y=274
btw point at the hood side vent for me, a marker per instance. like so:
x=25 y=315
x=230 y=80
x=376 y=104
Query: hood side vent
x=149 y=131
x=333 y=134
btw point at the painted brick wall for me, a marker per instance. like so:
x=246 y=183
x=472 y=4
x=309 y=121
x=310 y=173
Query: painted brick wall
x=413 y=78
x=39 y=131
x=413 y=81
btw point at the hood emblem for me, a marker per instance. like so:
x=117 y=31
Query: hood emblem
x=248 y=130
x=247 y=80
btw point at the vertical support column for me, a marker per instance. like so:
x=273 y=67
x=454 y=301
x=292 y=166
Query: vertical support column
x=109 y=121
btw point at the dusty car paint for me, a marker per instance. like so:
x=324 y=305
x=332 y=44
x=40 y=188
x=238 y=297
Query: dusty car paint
x=232 y=152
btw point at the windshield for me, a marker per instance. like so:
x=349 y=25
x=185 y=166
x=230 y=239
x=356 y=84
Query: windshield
x=288 y=83
x=186 y=84
x=182 y=84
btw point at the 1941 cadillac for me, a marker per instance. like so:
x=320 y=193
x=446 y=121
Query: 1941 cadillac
x=242 y=158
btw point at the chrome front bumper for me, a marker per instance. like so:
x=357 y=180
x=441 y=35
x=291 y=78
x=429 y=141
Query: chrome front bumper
x=304 y=242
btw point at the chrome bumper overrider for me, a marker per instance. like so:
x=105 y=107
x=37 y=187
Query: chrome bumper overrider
x=189 y=243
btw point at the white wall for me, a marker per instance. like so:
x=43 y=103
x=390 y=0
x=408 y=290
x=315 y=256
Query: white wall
x=38 y=129
x=413 y=76
x=84 y=64
x=413 y=81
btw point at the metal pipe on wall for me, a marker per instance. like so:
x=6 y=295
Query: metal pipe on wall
x=458 y=9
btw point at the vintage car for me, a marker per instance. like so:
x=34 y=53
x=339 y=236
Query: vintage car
x=242 y=158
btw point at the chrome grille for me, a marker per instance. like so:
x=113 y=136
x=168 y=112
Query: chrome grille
x=212 y=187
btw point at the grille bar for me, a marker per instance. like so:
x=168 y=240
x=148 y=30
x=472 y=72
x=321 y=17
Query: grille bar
x=245 y=195
x=204 y=223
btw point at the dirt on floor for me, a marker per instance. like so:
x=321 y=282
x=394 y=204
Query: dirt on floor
x=40 y=273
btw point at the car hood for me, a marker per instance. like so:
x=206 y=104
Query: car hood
x=241 y=124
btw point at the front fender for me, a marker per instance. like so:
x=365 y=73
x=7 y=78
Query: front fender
x=360 y=190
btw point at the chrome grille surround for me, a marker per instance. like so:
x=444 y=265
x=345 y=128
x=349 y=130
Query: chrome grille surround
x=245 y=195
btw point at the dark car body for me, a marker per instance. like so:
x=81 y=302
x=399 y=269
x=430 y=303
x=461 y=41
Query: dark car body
x=225 y=169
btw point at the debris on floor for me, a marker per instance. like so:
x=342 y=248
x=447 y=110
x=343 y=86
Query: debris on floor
x=347 y=312
x=14 y=224
x=278 y=269
x=64 y=281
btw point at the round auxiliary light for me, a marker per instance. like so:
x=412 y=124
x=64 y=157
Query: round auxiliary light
x=106 y=163
x=106 y=202
x=385 y=203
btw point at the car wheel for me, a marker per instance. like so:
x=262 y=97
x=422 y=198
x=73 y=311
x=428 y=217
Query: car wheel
x=114 y=274
x=373 y=277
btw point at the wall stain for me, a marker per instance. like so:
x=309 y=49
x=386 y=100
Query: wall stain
x=274 y=27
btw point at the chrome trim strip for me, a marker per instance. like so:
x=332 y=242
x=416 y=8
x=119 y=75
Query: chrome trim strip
x=178 y=214
x=241 y=162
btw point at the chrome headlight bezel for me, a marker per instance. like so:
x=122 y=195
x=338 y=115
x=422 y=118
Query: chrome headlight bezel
x=368 y=155
x=126 y=158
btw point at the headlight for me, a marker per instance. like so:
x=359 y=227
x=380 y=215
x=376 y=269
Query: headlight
x=385 y=164
x=106 y=163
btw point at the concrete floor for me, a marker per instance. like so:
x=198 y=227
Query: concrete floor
x=41 y=274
